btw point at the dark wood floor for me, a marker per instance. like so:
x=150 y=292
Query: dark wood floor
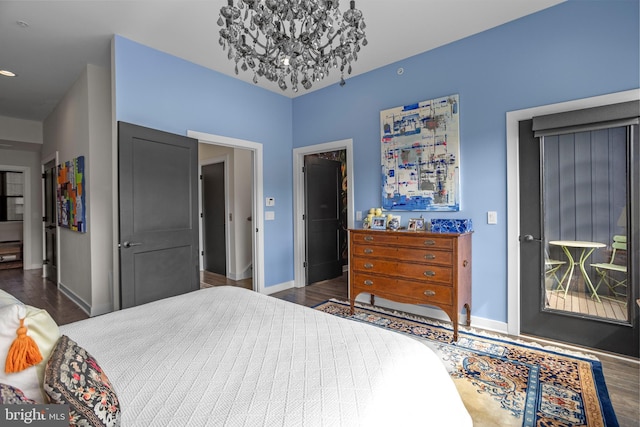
x=622 y=374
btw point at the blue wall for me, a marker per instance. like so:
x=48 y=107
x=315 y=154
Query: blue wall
x=574 y=50
x=577 y=49
x=160 y=91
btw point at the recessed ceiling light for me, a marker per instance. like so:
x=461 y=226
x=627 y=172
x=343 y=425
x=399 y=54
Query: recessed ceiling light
x=7 y=73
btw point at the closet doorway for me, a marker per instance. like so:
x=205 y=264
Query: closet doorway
x=301 y=226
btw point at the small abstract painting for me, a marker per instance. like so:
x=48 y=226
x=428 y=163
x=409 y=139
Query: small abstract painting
x=420 y=148
x=71 y=195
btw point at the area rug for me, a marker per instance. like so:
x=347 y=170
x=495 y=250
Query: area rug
x=504 y=382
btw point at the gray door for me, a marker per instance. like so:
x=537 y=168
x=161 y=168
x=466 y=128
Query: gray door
x=568 y=215
x=158 y=189
x=213 y=206
x=49 y=178
x=322 y=219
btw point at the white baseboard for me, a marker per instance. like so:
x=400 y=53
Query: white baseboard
x=75 y=298
x=268 y=290
x=246 y=274
x=435 y=313
x=32 y=266
x=419 y=310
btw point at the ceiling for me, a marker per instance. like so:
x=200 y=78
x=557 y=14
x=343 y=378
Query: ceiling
x=48 y=43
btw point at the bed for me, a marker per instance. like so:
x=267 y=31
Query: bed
x=233 y=357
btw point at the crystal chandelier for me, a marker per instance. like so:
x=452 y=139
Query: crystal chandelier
x=291 y=40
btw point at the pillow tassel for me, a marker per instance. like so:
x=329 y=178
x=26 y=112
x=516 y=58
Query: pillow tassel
x=24 y=352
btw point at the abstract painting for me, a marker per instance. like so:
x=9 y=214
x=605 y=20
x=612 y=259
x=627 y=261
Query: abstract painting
x=71 y=195
x=420 y=148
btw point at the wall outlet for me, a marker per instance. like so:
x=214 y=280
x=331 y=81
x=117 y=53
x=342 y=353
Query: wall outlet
x=492 y=217
x=269 y=215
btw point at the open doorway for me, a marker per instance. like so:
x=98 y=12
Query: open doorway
x=15 y=235
x=49 y=219
x=300 y=226
x=244 y=256
x=226 y=215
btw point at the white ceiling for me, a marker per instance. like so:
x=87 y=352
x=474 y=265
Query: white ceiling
x=63 y=36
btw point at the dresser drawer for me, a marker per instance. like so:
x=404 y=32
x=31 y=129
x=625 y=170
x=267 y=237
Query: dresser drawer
x=418 y=240
x=425 y=272
x=382 y=237
x=425 y=256
x=372 y=265
x=372 y=283
x=425 y=293
x=364 y=250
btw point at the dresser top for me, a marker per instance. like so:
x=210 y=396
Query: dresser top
x=406 y=232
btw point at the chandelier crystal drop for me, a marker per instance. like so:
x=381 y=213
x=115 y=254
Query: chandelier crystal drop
x=295 y=41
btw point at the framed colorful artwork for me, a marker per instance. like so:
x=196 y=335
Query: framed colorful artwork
x=71 y=195
x=420 y=156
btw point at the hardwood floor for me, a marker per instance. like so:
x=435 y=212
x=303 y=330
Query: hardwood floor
x=32 y=289
x=622 y=374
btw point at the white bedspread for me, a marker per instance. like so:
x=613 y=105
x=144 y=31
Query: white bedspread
x=226 y=356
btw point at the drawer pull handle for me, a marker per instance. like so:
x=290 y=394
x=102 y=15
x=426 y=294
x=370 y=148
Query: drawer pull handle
x=368 y=251
x=368 y=238
x=429 y=273
x=429 y=293
x=429 y=256
x=368 y=282
x=368 y=265
x=429 y=242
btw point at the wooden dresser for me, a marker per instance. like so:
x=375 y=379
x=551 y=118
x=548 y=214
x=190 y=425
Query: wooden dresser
x=413 y=267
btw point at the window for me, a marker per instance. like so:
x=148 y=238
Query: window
x=11 y=196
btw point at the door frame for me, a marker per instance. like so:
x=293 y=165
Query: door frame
x=513 y=186
x=227 y=244
x=26 y=217
x=257 y=210
x=52 y=157
x=299 y=236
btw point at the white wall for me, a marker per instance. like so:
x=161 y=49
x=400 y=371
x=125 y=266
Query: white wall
x=81 y=126
x=242 y=179
x=20 y=130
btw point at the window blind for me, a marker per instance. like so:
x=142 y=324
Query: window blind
x=588 y=119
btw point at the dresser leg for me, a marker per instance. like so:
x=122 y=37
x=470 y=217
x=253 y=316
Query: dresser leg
x=352 y=301
x=468 y=307
x=455 y=331
x=373 y=299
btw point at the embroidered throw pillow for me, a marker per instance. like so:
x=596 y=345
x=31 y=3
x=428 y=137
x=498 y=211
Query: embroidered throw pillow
x=11 y=396
x=73 y=377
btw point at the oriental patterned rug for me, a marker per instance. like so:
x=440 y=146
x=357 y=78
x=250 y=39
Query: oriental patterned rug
x=504 y=382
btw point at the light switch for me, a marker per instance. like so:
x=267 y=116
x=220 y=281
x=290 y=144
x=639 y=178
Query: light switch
x=270 y=201
x=269 y=215
x=358 y=215
x=492 y=217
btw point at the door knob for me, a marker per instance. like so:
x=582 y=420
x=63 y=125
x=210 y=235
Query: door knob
x=129 y=244
x=529 y=238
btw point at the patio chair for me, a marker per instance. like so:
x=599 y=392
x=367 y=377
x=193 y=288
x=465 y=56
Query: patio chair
x=613 y=274
x=551 y=267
